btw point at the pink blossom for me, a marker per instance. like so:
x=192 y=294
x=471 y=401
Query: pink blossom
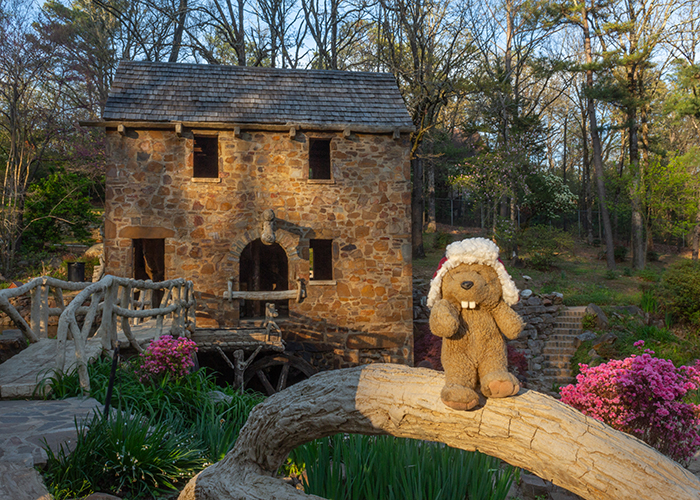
x=643 y=396
x=167 y=356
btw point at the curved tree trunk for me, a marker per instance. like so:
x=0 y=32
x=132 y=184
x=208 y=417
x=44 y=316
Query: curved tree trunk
x=530 y=430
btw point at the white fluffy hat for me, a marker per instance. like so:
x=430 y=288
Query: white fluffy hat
x=472 y=251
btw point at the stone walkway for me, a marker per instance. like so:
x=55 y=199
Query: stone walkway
x=24 y=425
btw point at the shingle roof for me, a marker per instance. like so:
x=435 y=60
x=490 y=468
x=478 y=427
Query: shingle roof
x=172 y=92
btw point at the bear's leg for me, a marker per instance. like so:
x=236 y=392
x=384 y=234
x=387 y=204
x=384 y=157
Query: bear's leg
x=460 y=379
x=496 y=380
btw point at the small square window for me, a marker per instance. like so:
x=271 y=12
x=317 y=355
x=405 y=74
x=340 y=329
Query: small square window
x=320 y=159
x=206 y=157
x=321 y=260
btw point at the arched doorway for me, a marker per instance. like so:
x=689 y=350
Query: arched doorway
x=263 y=268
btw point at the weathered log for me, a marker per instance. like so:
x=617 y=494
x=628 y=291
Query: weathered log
x=530 y=430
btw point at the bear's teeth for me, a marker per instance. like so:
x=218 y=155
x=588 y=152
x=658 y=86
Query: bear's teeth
x=472 y=305
x=468 y=305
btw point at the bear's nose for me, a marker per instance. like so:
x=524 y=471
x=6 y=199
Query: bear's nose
x=467 y=284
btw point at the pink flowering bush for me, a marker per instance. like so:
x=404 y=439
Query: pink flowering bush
x=167 y=356
x=643 y=396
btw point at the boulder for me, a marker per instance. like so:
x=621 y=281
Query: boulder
x=583 y=337
x=602 y=322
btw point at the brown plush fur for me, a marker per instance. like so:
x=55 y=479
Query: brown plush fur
x=473 y=349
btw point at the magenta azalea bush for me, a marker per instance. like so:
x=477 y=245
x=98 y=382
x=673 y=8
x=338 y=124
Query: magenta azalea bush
x=167 y=356
x=643 y=396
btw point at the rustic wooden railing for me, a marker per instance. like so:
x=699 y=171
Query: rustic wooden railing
x=119 y=302
x=40 y=289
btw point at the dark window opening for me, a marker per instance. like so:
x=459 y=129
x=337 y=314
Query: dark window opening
x=206 y=157
x=263 y=268
x=320 y=159
x=321 y=260
x=149 y=264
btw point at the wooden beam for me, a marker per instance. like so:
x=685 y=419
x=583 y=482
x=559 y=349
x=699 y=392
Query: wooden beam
x=236 y=131
x=178 y=129
x=347 y=132
x=292 y=132
x=321 y=127
x=121 y=129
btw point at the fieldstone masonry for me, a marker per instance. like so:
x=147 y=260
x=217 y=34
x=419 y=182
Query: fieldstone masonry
x=363 y=314
x=539 y=312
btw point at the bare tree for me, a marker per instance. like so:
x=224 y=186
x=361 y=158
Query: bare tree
x=29 y=112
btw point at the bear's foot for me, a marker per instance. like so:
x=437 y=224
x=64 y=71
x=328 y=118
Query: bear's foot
x=459 y=397
x=499 y=385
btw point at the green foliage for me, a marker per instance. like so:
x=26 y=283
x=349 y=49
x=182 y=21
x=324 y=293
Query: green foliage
x=620 y=254
x=506 y=235
x=649 y=304
x=441 y=240
x=549 y=196
x=348 y=467
x=589 y=321
x=127 y=455
x=542 y=243
x=627 y=271
x=610 y=275
x=631 y=329
x=184 y=406
x=56 y=207
x=680 y=291
x=649 y=275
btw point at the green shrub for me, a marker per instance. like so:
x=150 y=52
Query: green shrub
x=543 y=243
x=649 y=304
x=348 y=467
x=680 y=291
x=620 y=254
x=441 y=240
x=506 y=235
x=125 y=455
x=610 y=275
x=652 y=256
x=649 y=275
x=627 y=271
x=589 y=321
x=185 y=402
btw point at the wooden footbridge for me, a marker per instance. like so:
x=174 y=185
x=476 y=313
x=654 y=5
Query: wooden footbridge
x=125 y=312
x=103 y=315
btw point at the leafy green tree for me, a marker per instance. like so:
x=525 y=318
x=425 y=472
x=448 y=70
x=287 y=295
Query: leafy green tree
x=549 y=197
x=57 y=207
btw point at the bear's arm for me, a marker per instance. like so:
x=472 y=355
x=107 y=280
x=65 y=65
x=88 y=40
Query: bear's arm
x=444 y=319
x=508 y=321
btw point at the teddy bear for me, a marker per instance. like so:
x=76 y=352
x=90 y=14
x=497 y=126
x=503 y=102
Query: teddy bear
x=470 y=298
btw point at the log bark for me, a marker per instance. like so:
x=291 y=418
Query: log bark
x=530 y=430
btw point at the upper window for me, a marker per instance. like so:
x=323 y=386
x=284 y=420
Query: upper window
x=320 y=159
x=206 y=157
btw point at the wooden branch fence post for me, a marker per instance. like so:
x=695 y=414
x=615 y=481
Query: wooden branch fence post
x=531 y=430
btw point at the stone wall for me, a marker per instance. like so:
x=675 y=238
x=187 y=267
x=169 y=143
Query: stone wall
x=539 y=312
x=363 y=314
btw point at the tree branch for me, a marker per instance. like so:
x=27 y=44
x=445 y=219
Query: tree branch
x=530 y=430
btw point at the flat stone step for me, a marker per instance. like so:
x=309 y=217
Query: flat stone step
x=21 y=374
x=553 y=352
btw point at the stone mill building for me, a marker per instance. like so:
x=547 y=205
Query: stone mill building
x=261 y=179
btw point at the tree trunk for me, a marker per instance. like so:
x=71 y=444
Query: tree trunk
x=530 y=430
x=179 y=28
x=417 y=209
x=432 y=221
x=696 y=236
x=597 y=148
